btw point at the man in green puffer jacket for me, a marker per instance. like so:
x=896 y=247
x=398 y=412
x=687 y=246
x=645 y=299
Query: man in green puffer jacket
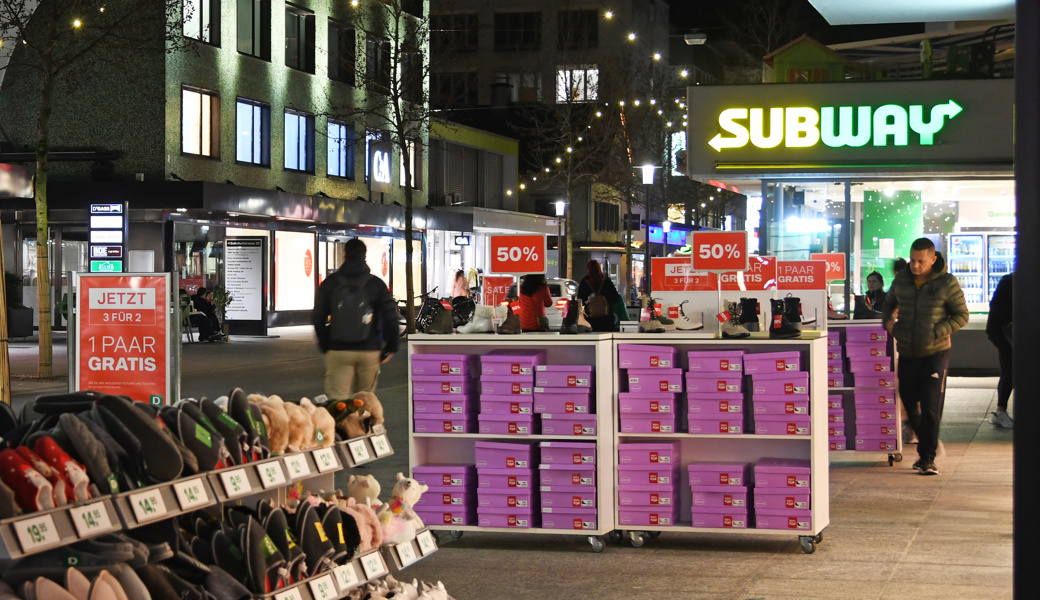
x=923 y=308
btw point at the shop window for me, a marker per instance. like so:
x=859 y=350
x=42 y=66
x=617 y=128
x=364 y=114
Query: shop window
x=201 y=20
x=453 y=89
x=253 y=132
x=254 y=28
x=518 y=31
x=377 y=64
x=577 y=83
x=340 y=150
x=453 y=33
x=342 y=53
x=200 y=123
x=299 y=39
x=526 y=86
x=606 y=217
x=577 y=29
x=299 y=142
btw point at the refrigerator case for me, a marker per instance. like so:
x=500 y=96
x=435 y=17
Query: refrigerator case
x=1000 y=259
x=967 y=263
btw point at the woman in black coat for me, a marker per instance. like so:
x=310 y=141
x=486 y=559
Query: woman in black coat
x=595 y=282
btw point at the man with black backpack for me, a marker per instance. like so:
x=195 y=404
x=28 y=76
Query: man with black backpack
x=355 y=318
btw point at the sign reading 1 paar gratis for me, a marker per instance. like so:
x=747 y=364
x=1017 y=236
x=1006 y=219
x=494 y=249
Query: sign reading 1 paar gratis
x=517 y=254
x=122 y=335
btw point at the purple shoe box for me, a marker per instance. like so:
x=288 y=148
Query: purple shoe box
x=885 y=379
x=781 y=405
x=782 y=473
x=795 y=382
x=512 y=518
x=715 y=362
x=834 y=401
x=575 y=519
x=833 y=338
x=567 y=453
x=879 y=443
x=562 y=400
x=559 y=477
x=870 y=364
x=781 y=499
x=563 y=376
x=887 y=414
x=655 y=380
x=506 y=405
x=837 y=430
x=719 y=403
x=835 y=353
x=772 y=362
x=834 y=367
x=507 y=424
x=837 y=444
x=649 y=423
x=457 y=385
x=865 y=349
x=709 y=383
x=836 y=416
x=454 y=516
x=507 y=385
x=443 y=364
x=647 y=496
x=883 y=399
x=445 y=499
x=647 y=403
x=641 y=356
x=511 y=362
x=507 y=479
x=653 y=454
x=782 y=424
x=859 y=335
x=661 y=476
x=654 y=517
x=445 y=423
x=435 y=405
x=724 y=519
x=505 y=455
x=713 y=474
x=794 y=520
x=568 y=424
x=715 y=424
x=568 y=499
x=514 y=498
x=721 y=497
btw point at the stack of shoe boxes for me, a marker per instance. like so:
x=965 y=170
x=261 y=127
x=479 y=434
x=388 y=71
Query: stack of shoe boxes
x=452 y=497
x=836 y=423
x=563 y=399
x=506 y=496
x=877 y=416
x=444 y=390
x=720 y=494
x=779 y=393
x=781 y=495
x=648 y=484
x=835 y=360
x=654 y=382
x=507 y=392
x=568 y=504
x=715 y=392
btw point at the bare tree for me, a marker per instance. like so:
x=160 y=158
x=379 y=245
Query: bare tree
x=53 y=43
x=762 y=26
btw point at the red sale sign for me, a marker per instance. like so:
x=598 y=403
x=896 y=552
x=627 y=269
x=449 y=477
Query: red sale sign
x=122 y=335
x=495 y=289
x=760 y=275
x=519 y=254
x=801 y=275
x=719 y=250
x=678 y=275
x=835 y=264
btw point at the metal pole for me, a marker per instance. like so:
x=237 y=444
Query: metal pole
x=846 y=235
x=647 y=266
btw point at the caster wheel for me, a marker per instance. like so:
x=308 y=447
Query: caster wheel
x=808 y=544
x=653 y=534
x=615 y=536
x=597 y=543
x=899 y=457
x=636 y=539
x=818 y=537
x=455 y=534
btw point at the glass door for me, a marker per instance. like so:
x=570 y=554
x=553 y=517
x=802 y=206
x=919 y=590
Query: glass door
x=966 y=264
x=1000 y=259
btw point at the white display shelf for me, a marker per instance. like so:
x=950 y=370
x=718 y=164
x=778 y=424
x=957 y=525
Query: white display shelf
x=747 y=448
x=458 y=448
x=43 y=530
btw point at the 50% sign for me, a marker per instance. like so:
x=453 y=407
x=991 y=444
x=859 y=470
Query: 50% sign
x=517 y=253
x=719 y=251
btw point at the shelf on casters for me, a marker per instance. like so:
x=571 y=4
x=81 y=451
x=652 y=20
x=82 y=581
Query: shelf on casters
x=858 y=389
x=504 y=436
x=535 y=530
x=714 y=436
x=726 y=530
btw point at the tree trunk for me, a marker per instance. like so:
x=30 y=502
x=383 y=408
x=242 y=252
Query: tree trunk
x=5 y=358
x=43 y=278
x=409 y=285
x=629 y=279
x=568 y=234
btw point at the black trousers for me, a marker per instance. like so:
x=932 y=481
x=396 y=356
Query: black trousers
x=924 y=380
x=1006 y=383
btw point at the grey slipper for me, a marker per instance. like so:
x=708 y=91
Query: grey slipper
x=163 y=461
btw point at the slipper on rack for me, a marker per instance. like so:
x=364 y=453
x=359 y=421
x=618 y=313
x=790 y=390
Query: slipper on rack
x=317 y=547
x=251 y=419
x=73 y=435
x=229 y=556
x=163 y=461
x=31 y=489
x=235 y=439
x=332 y=523
x=277 y=526
x=79 y=482
x=265 y=564
x=62 y=488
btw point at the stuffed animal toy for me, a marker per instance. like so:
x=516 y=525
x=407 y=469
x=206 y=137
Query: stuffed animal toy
x=349 y=507
x=301 y=428
x=362 y=487
x=370 y=404
x=433 y=592
x=276 y=421
x=402 y=589
x=360 y=415
x=324 y=424
x=398 y=519
x=368 y=520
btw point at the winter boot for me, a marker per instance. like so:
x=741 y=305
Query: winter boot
x=666 y=323
x=511 y=324
x=689 y=320
x=749 y=314
x=779 y=327
x=481 y=323
x=583 y=324
x=442 y=323
x=731 y=327
x=652 y=325
x=570 y=318
x=793 y=311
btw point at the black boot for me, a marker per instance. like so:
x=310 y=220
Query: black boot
x=793 y=310
x=442 y=323
x=779 y=327
x=570 y=319
x=749 y=314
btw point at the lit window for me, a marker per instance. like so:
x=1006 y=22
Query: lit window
x=253 y=133
x=200 y=125
x=254 y=28
x=341 y=150
x=299 y=142
x=201 y=20
x=577 y=83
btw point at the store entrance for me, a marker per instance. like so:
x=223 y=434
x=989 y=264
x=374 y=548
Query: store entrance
x=67 y=251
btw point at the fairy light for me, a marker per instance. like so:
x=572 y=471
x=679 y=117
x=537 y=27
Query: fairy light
x=632 y=37
x=77 y=23
x=608 y=15
x=657 y=56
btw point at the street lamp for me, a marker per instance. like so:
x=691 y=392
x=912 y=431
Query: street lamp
x=666 y=226
x=648 y=182
x=561 y=206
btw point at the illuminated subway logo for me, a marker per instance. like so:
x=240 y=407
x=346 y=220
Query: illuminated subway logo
x=835 y=126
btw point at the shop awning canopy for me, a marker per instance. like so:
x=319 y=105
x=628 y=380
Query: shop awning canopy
x=851 y=12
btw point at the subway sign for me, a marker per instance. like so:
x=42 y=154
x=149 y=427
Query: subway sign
x=843 y=128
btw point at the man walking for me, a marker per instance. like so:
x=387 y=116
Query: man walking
x=923 y=308
x=355 y=318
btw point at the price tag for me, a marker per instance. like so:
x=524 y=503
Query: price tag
x=293 y=594
x=426 y=542
x=359 y=451
x=38 y=532
x=90 y=519
x=346 y=577
x=406 y=554
x=236 y=483
x=719 y=251
x=373 y=565
x=323 y=588
x=147 y=506
x=191 y=493
x=325 y=458
x=381 y=445
x=271 y=474
x=296 y=465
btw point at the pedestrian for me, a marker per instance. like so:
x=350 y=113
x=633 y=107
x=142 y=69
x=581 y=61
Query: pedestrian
x=596 y=283
x=534 y=299
x=931 y=308
x=998 y=330
x=355 y=319
x=870 y=304
x=461 y=285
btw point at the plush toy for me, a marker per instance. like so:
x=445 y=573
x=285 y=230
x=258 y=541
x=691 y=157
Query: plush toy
x=397 y=518
x=301 y=428
x=362 y=487
x=402 y=589
x=350 y=508
x=370 y=404
x=324 y=424
x=276 y=421
x=369 y=521
x=433 y=592
x=358 y=416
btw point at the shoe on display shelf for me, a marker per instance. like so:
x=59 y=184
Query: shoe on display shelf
x=442 y=323
x=779 y=326
x=689 y=321
x=582 y=323
x=793 y=310
x=748 y=312
x=665 y=323
x=511 y=324
x=570 y=318
x=481 y=322
x=731 y=327
x=1000 y=418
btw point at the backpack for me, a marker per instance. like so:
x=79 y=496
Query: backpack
x=350 y=312
x=598 y=306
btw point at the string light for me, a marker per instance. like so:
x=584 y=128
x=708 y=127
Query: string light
x=632 y=37
x=609 y=14
x=77 y=23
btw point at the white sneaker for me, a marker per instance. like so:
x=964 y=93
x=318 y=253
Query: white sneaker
x=1002 y=419
x=689 y=320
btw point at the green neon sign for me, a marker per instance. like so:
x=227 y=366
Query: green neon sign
x=834 y=126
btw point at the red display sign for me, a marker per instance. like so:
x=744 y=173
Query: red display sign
x=495 y=289
x=719 y=250
x=835 y=264
x=760 y=275
x=122 y=334
x=678 y=275
x=801 y=275
x=519 y=254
